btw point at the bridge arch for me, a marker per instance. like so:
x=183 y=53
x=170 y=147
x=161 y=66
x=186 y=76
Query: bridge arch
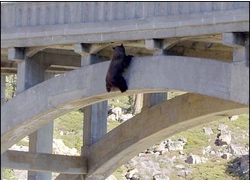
x=153 y=125
x=46 y=101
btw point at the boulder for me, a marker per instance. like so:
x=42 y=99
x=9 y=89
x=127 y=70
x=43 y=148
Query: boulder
x=111 y=118
x=208 y=130
x=125 y=117
x=240 y=167
x=233 y=118
x=175 y=145
x=238 y=151
x=131 y=173
x=224 y=138
x=222 y=127
x=226 y=156
x=117 y=111
x=111 y=177
x=194 y=159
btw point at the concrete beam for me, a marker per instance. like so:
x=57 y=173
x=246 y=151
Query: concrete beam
x=44 y=162
x=86 y=85
x=153 y=125
x=85 y=49
x=123 y=30
x=235 y=40
x=16 y=54
x=240 y=44
x=31 y=51
x=153 y=44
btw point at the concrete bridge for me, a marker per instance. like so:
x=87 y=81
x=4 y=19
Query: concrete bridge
x=198 y=47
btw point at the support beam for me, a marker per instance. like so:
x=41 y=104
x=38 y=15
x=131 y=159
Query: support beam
x=3 y=87
x=95 y=116
x=16 y=54
x=31 y=51
x=86 y=49
x=236 y=40
x=31 y=71
x=177 y=73
x=42 y=141
x=240 y=44
x=152 y=99
x=43 y=162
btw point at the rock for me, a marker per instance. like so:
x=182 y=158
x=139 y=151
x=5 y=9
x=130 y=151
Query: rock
x=111 y=177
x=194 y=159
x=160 y=148
x=208 y=130
x=175 y=145
x=222 y=127
x=181 y=153
x=19 y=148
x=125 y=117
x=184 y=140
x=111 y=118
x=184 y=172
x=238 y=151
x=60 y=148
x=117 y=111
x=180 y=166
x=160 y=177
x=233 y=118
x=240 y=167
x=224 y=138
x=131 y=173
x=226 y=156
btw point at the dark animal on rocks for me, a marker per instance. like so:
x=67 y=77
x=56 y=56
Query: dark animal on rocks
x=119 y=62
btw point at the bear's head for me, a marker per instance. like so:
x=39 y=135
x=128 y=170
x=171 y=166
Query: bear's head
x=119 y=48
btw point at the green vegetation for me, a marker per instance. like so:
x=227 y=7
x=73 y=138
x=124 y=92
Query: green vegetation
x=9 y=175
x=69 y=128
x=209 y=170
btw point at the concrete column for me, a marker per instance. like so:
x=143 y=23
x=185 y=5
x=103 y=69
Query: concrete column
x=95 y=116
x=2 y=101
x=153 y=99
x=31 y=71
x=3 y=85
x=42 y=141
x=157 y=47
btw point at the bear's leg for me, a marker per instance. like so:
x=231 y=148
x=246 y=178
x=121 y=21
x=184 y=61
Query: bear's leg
x=108 y=86
x=121 y=84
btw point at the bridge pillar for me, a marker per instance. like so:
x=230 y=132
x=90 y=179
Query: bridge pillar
x=31 y=71
x=149 y=100
x=3 y=85
x=152 y=99
x=95 y=116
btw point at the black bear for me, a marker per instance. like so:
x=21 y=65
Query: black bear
x=118 y=64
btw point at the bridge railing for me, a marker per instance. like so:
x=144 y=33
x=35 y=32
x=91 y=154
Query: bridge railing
x=53 y=13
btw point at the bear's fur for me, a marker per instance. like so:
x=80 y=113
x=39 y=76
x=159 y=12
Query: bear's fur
x=118 y=64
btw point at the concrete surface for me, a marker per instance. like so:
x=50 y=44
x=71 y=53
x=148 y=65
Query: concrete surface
x=79 y=88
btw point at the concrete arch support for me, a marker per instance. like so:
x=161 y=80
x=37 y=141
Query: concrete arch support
x=48 y=100
x=152 y=125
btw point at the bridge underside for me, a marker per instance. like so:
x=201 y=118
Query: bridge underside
x=152 y=125
x=202 y=49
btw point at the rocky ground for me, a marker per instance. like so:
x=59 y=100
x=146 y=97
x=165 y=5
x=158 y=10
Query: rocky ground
x=173 y=158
